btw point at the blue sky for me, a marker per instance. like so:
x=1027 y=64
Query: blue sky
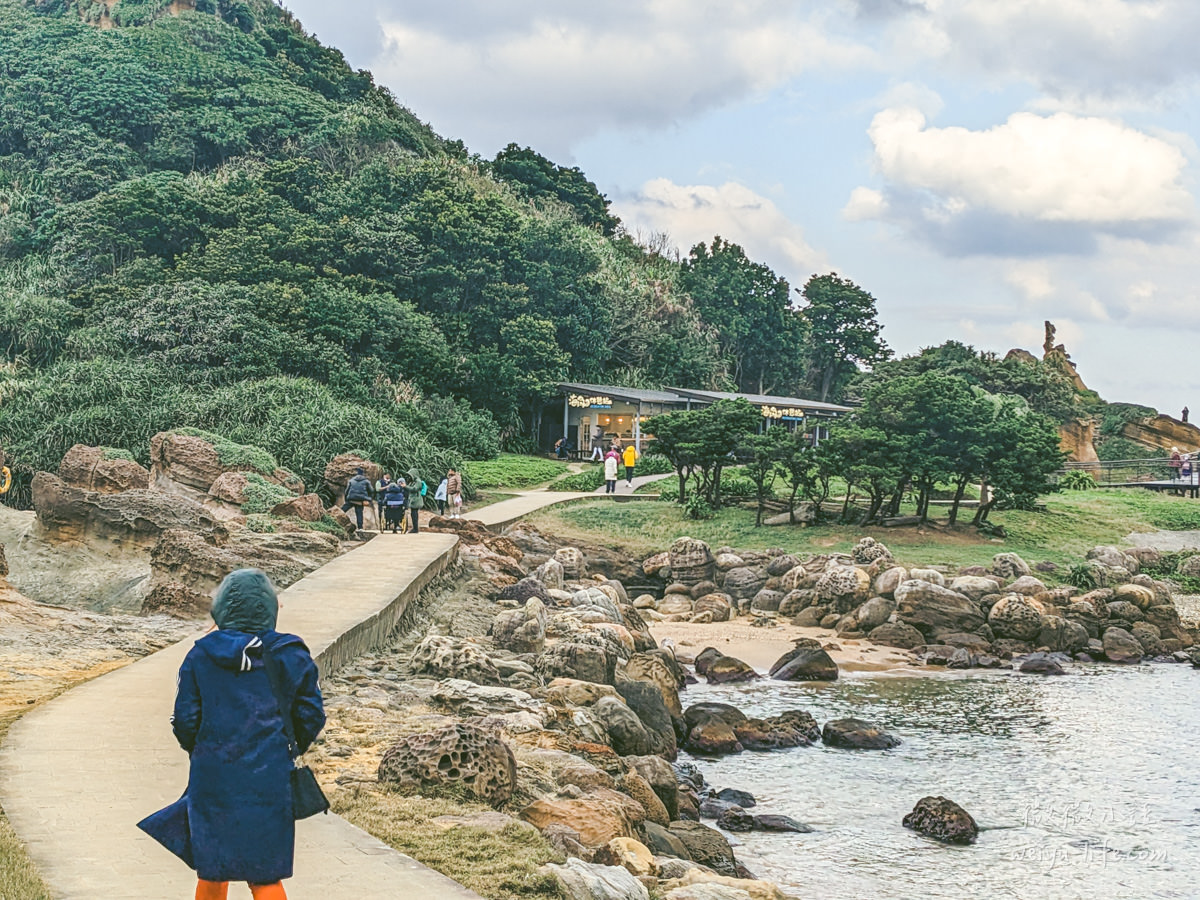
x=977 y=165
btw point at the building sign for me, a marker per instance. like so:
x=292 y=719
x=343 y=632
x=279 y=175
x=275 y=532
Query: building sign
x=581 y=402
x=782 y=412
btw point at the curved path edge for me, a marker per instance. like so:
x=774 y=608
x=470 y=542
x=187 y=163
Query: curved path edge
x=79 y=772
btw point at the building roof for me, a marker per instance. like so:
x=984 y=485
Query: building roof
x=629 y=395
x=814 y=406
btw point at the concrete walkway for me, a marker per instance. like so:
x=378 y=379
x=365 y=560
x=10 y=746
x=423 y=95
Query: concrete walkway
x=624 y=489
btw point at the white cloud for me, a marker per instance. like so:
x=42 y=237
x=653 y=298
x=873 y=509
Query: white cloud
x=550 y=74
x=692 y=213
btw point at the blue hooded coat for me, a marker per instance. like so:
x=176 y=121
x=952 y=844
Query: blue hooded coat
x=235 y=821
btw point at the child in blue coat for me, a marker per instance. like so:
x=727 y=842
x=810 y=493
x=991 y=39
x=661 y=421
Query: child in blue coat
x=235 y=821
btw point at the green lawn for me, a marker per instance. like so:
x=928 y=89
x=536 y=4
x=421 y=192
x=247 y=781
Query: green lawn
x=513 y=471
x=1071 y=524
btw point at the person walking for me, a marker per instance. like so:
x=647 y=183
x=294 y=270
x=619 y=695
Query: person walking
x=358 y=495
x=597 y=444
x=394 y=503
x=630 y=458
x=1175 y=463
x=381 y=487
x=1185 y=468
x=235 y=821
x=1185 y=415
x=454 y=493
x=416 y=498
x=610 y=472
x=439 y=496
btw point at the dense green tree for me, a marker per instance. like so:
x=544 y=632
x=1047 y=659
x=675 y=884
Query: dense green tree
x=843 y=333
x=533 y=176
x=700 y=443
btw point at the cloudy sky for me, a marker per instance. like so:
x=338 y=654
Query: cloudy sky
x=977 y=165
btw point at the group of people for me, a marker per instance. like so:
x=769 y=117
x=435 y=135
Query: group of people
x=613 y=459
x=1182 y=465
x=393 y=498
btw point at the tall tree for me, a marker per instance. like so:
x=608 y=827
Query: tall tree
x=533 y=176
x=700 y=442
x=760 y=333
x=843 y=332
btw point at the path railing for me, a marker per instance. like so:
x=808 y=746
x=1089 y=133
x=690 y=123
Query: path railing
x=1123 y=471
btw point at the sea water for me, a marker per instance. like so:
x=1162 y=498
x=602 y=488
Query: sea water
x=1084 y=785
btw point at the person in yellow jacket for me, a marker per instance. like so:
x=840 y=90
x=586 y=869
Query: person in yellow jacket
x=630 y=458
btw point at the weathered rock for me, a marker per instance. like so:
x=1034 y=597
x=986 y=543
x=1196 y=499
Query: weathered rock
x=1114 y=557
x=656 y=563
x=888 y=580
x=896 y=634
x=777 y=732
x=975 y=587
x=599 y=816
x=932 y=576
x=727 y=561
x=1009 y=566
x=230 y=487
x=1041 y=664
x=734 y=818
x=857 y=734
x=1027 y=585
x=868 y=550
x=718 y=604
x=1149 y=637
x=593 y=661
x=572 y=692
x=810 y=617
x=780 y=824
x=702 y=713
x=581 y=880
x=573 y=562
x=1189 y=566
x=1058 y=633
x=843 y=586
x=930 y=608
x=178 y=459
x=1121 y=647
x=943 y=820
x=458 y=753
x=873 y=613
x=706 y=846
x=521 y=630
x=1141 y=597
x=652 y=668
x=340 y=469
x=662 y=843
x=174 y=599
x=728 y=670
x=635 y=786
x=1016 y=616
x=1165 y=617
x=341 y=518
x=691 y=561
x=1125 y=612
x=713 y=739
x=675 y=605
x=661 y=777
x=452 y=657
x=767 y=600
x=781 y=565
x=744 y=582
x=699 y=884
x=646 y=702
x=632 y=856
x=306 y=508
x=97 y=469
x=805 y=664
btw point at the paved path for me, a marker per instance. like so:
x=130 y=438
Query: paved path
x=77 y=773
x=625 y=489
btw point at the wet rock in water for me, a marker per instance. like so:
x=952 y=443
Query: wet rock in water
x=737 y=797
x=857 y=734
x=783 y=824
x=597 y=816
x=1041 y=664
x=662 y=842
x=581 y=880
x=943 y=820
x=458 y=753
x=1017 y=617
x=1009 y=566
x=702 y=713
x=930 y=608
x=896 y=634
x=712 y=807
x=705 y=658
x=713 y=739
x=729 y=670
x=734 y=818
x=775 y=733
x=706 y=846
x=646 y=702
x=691 y=561
x=1121 y=647
x=626 y=733
x=805 y=664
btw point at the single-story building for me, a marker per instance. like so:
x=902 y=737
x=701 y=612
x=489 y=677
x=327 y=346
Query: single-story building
x=618 y=412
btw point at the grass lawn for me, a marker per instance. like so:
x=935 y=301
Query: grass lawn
x=18 y=877
x=498 y=865
x=1071 y=524
x=513 y=471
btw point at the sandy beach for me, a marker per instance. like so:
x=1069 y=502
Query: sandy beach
x=760 y=647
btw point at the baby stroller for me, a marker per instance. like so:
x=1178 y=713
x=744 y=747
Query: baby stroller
x=394 y=504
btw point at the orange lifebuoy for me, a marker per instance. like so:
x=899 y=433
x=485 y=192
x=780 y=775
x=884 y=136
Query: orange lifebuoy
x=7 y=477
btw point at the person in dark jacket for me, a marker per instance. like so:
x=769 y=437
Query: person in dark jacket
x=236 y=817
x=416 y=501
x=358 y=495
x=394 y=502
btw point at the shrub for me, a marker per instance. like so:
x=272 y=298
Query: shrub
x=116 y=453
x=234 y=455
x=735 y=486
x=587 y=480
x=1077 y=480
x=511 y=471
x=261 y=524
x=262 y=496
x=696 y=507
x=1083 y=577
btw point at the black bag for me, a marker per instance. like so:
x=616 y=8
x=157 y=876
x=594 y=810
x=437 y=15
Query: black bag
x=307 y=797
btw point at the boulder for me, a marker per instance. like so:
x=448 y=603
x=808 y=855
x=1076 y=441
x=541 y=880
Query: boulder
x=550 y=574
x=744 y=582
x=1041 y=664
x=1027 y=585
x=1121 y=647
x=598 y=816
x=102 y=470
x=1017 y=617
x=635 y=786
x=583 y=661
x=975 y=587
x=1124 y=612
x=570 y=692
x=706 y=846
x=701 y=588
x=525 y=590
x=521 y=630
x=1060 y=634
x=662 y=842
x=868 y=550
x=718 y=604
x=727 y=561
x=136 y=516
x=573 y=562
x=857 y=734
x=778 y=732
x=656 y=563
x=1189 y=566
x=888 y=580
x=713 y=739
x=646 y=702
x=706 y=712
x=306 y=508
x=699 y=884
x=1114 y=557
x=930 y=608
x=661 y=777
x=734 y=818
x=933 y=576
x=340 y=469
x=705 y=658
x=805 y=664
x=170 y=598
x=810 y=617
x=943 y=820
x=691 y=561
x=728 y=670
x=1150 y=639
x=341 y=518
x=654 y=668
x=230 y=488
x=459 y=753
x=896 y=634
x=1141 y=597
x=676 y=605
x=767 y=600
x=873 y=613
x=780 y=824
x=843 y=586
x=781 y=565
x=181 y=460
x=1009 y=565
x=632 y=856
x=452 y=657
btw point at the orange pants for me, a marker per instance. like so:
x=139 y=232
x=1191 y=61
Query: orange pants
x=219 y=890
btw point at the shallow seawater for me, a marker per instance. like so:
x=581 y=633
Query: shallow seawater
x=1085 y=785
